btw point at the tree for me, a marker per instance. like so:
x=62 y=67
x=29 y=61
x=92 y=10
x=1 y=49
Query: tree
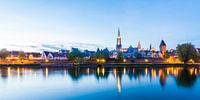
x=71 y=56
x=197 y=58
x=166 y=55
x=101 y=54
x=75 y=55
x=120 y=57
x=186 y=52
x=4 y=53
x=106 y=54
x=21 y=55
x=138 y=55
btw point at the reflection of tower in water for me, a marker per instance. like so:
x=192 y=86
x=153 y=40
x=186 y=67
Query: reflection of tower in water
x=119 y=86
x=118 y=77
x=163 y=76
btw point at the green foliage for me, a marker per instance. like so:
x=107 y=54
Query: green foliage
x=138 y=55
x=120 y=57
x=101 y=54
x=71 y=56
x=21 y=55
x=75 y=55
x=186 y=52
x=4 y=53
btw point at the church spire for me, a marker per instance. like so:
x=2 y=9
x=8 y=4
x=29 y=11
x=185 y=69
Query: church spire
x=119 y=45
x=118 y=32
x=150 y=47
x=139 y=45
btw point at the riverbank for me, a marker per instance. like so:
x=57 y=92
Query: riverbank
x=84 y=65
x=19 y=65
x=138 y=65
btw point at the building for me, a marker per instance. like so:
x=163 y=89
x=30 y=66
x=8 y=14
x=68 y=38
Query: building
x=63 y=51
x=33 y=55
x=13 y=55
x=46 y=55
x=130 y=53
x=163 y=47
x=198 y=50
x=119 y=44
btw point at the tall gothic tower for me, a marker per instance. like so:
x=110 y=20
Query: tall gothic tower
x=119 y=44
x=139 y=46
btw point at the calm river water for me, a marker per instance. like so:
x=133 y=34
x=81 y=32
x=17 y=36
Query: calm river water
x=100 y=83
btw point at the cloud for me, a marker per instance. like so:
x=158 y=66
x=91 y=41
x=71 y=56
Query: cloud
x=55 y=46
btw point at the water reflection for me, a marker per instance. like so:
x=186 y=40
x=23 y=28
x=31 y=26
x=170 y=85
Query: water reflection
x=184 y=77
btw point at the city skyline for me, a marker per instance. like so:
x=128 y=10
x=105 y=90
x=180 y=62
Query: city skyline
x=32 y=23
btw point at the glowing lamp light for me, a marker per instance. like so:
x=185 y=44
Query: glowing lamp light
x=146 y=60
x=103 y=60
x=124 y=60
x=191 y=61
x=46 y=60
x=103 y=71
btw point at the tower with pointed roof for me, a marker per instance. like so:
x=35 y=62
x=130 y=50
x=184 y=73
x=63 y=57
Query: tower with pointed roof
x=119 y=45
x=163 y=47
x=139 y=46
x=150 y=47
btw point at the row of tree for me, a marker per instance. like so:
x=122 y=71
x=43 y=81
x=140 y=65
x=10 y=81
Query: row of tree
x=77 y=56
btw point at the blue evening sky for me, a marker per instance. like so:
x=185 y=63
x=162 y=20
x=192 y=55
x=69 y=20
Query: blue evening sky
x=24 y=22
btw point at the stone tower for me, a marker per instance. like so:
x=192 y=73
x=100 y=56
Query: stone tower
x=163 y=47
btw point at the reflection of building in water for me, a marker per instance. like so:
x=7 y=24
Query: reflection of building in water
x=161 y=73
x=118 y=76
x=46 y=72
x=163 y=76
x=88 y=71
x=119 y=86
x=13 y=72
x=18 y=72
x=103 y=73
x=65 y=72
x=146 y=71
x=4 y=73
x=153 y=73
x=174 y=70
x=9 y=73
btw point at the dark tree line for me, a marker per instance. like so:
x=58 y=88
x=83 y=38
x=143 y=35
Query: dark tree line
x=187 y=52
